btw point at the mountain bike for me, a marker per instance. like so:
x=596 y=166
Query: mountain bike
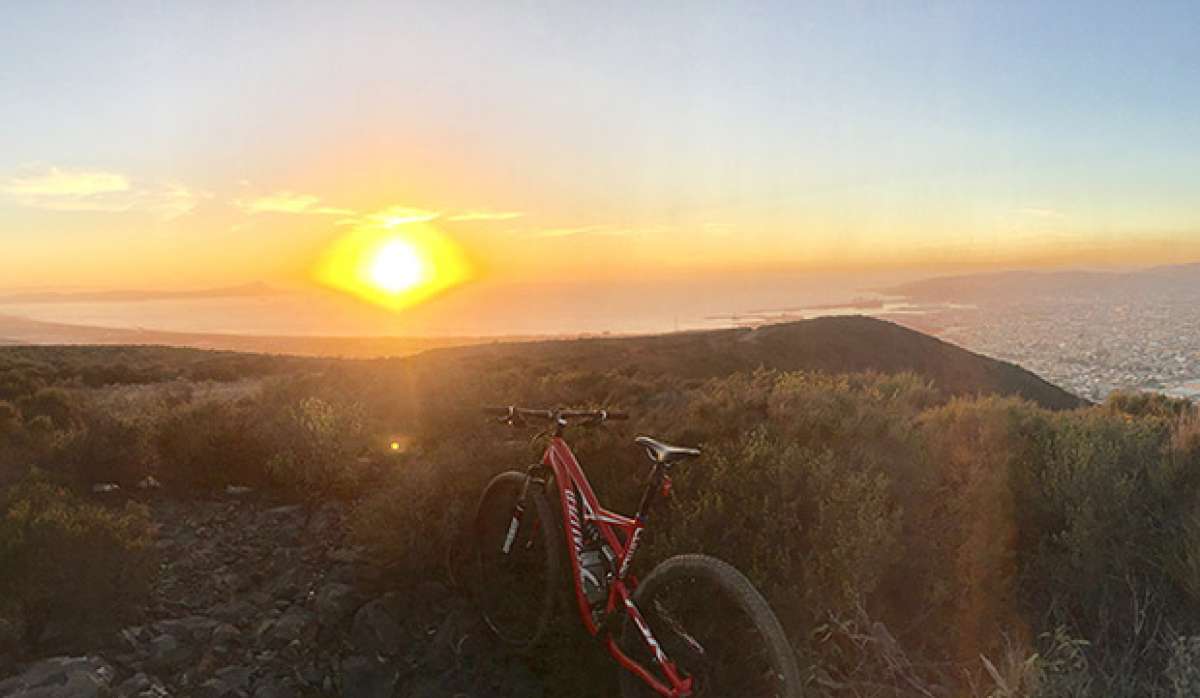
x=694 y=626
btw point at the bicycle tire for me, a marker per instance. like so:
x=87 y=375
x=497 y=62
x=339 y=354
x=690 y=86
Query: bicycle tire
x=704 y=572
x=517 y=616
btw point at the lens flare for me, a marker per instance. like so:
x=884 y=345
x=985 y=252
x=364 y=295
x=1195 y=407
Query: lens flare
x=394 y=265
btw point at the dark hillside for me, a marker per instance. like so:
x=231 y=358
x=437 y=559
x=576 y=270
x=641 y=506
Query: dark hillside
x=830 y=344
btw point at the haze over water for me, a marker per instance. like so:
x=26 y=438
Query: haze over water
x=515 y=309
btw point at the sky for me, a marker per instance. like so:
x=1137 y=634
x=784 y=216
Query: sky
x=599 y=146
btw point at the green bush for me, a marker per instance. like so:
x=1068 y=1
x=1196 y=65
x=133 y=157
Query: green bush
x=413 y=518
x=10 y=421
x=18 y=383
x=56 y=404
x=111 y=449
x=211 y=445
x=315 y=448
x=70 y=571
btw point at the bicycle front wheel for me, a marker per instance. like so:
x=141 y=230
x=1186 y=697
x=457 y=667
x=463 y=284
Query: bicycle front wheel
x=517 y=591
x=711 y=621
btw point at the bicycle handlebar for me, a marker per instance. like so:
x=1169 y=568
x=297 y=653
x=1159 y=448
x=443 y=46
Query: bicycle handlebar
x=516 y=415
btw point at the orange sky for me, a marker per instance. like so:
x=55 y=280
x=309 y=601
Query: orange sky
x=560 y=144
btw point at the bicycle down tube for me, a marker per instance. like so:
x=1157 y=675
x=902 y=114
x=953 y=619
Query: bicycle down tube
x=570 y=478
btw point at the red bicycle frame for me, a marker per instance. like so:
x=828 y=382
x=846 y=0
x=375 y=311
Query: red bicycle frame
x=622 y=535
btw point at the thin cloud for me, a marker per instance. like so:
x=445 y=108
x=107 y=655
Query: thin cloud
x=599 y=229
x=172 y=200
x=294 y=203
x=485 y=216
x=290 y=202
x=307 y=204
x=563 y=232
x=65 y=189
x=55 y=183
x=399 y=215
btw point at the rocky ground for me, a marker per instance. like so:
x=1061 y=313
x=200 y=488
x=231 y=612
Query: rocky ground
x=260 y=600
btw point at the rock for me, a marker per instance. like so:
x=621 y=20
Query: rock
x=288 y=588
x=236 y=611
x=227 y=682
x=105 y=488
x=238 y=490
x=520 y=681
x=10 y=637
x=423 y=686
x=167 y=652
x=446 y=646
x=61 y=677
x=336 y=604
x=289 y=510
x=375 y=631
x=141 y=686
x=189 y=628
x=363 y=677
x=346 y=555
x=275 y=689
x=295 y=624
x=134 y=637
x=323 y=521
x=226 y=636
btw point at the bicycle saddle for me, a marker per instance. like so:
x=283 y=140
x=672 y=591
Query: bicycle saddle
x=660 y=452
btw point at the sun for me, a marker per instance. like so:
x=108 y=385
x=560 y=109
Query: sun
x=394 y=265
x=397 y=267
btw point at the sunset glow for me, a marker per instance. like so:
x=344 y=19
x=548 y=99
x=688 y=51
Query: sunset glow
x=485 y=153
x=394 y=265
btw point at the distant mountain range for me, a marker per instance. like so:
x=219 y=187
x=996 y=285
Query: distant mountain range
x=132 y=296
x=17 y=330
x=1175 y=281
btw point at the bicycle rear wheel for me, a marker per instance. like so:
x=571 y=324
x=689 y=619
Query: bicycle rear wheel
x=517 y=592
x=711 y=621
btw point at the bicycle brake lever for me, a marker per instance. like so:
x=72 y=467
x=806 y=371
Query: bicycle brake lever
x=513 y=418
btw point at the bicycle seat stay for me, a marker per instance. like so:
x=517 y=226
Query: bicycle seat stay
x=525 y=521
x=664 y=453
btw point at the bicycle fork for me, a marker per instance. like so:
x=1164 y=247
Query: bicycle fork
x=519 y=510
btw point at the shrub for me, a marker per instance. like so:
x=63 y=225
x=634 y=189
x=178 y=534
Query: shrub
x=211 y=445
x=315 y=449
x=1144 y=404
x=10 y=421
x=16 y=384
x=111 y=449
x=70 y=571
x=963 y=537
x=413 y=519
x=56 y=404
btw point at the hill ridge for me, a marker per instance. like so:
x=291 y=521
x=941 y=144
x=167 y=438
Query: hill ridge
x=835 y=344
